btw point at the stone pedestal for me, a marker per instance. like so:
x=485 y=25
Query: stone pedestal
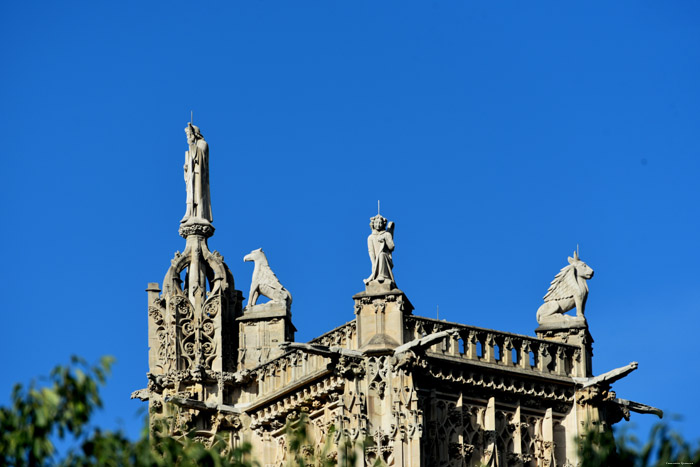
x=262 y=328
x=380 y=315
x=575 y=333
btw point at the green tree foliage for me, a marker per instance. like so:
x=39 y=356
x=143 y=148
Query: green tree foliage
x=61 y=408
x=113 y=449
x=664 y=447
x=37 y=415
x=302 y=453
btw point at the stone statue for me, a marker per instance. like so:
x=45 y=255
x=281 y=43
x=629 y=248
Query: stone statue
x=380 y=244
x=568 y=290
x=197 y=177
x=265 y=282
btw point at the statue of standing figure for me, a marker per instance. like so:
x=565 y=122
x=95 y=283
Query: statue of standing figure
x=197 y=177
x=380 y=244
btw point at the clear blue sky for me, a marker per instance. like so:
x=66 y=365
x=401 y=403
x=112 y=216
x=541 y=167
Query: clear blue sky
x=498 y=136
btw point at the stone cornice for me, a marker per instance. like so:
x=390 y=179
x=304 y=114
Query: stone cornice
x=512 y=370
x=518 y=383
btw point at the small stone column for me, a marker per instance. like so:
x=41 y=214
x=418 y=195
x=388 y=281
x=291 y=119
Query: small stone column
x=490 y=449
x=548 y=439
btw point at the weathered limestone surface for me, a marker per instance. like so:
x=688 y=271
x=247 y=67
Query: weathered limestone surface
x=265 y=283
x=197 y=178
x=425 y=392
x=264 y=327
x=380 y=244
x=569 y=289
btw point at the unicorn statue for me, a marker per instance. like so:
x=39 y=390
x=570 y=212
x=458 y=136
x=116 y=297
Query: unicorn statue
x=567 y=291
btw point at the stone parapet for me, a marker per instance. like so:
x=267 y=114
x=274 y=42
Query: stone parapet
x=502 y=349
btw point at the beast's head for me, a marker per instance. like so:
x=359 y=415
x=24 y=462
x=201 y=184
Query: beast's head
x=254 y=255
x=582 y=269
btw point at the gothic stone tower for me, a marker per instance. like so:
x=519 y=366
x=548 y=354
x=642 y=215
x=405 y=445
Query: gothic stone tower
x=420 y=391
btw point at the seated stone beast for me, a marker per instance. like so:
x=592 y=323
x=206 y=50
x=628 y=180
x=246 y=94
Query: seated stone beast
x=569 y=289
x=265 y=282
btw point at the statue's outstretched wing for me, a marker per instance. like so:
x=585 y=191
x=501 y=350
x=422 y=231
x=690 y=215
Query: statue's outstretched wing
x=563 y=286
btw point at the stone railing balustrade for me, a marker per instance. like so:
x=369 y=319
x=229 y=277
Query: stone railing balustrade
x=342 y=336
x=285 y=370
x=296 y=365
x=499 y=348
x=502 y=349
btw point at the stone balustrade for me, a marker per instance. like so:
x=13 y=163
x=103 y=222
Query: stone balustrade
x=297 y=366
x=486 y=346
x=342 y=336
x=286 y=370
x=501 y=349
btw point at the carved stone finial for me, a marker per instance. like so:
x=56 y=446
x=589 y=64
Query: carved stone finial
x=265 y=283
x=567 y=291
x=380 y=244
x=197 y=178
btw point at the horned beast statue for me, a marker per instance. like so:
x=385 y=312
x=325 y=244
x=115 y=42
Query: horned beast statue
x=568 y=290
x=265 y=282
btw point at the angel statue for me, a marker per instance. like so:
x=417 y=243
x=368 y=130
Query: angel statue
x=380 y=244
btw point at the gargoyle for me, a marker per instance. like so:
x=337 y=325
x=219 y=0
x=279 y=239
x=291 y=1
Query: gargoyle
x=158 y=382
x=406 y=354
x=637 y=407
x=425 y=341
x=243 y=376
x=188 y=403
x=333 y=351
x=141 y=394
x=618 y=408
x=609 y=377
x=402 y=354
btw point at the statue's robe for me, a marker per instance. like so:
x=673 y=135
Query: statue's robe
x=380 y=246
x=197 y=178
